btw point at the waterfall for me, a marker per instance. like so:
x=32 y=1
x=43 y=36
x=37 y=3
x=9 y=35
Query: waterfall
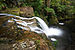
x=44 y=28
x=42 y=23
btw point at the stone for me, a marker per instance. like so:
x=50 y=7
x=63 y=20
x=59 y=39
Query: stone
x=26 y=11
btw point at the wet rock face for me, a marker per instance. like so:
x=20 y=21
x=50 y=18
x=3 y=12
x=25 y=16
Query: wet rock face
x=13 y=38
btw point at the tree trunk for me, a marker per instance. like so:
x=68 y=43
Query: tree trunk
x=48 y=3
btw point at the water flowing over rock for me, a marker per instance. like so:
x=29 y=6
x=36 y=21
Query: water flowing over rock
x=18 y=33
x=30 y=24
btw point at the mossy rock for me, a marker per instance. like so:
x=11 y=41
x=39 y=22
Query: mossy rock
x=22 y=11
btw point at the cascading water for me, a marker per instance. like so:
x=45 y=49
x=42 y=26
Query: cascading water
x=44 y=26
x=48 y=31
x=45 y=29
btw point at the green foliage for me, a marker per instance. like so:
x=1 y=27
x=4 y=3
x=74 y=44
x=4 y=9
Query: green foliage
x=2 y=5
x=38 y=41
x=23 y=5
x=61 y=8
x=49 y=10
x=70 y=10
x=58 y=8
x=36 y=13
x=36 y=4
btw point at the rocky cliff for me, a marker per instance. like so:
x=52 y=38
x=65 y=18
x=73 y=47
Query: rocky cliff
x=14 y=38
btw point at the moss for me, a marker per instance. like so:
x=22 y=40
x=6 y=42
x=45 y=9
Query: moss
x=38 y=41
x=14 y=11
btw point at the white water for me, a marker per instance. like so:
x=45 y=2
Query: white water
x=22 y=27
x=44 y=26
x=61 y=23
x=53 y=39
x=48 y=31
x=45 y=29
x=55 y=31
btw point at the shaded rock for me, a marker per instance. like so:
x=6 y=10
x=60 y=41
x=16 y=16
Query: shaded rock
x=26 y=11
x=3 y=19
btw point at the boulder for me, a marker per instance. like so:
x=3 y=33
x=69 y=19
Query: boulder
x=26 y=11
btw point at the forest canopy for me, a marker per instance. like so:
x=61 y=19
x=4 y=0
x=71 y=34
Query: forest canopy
x=45 y=8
